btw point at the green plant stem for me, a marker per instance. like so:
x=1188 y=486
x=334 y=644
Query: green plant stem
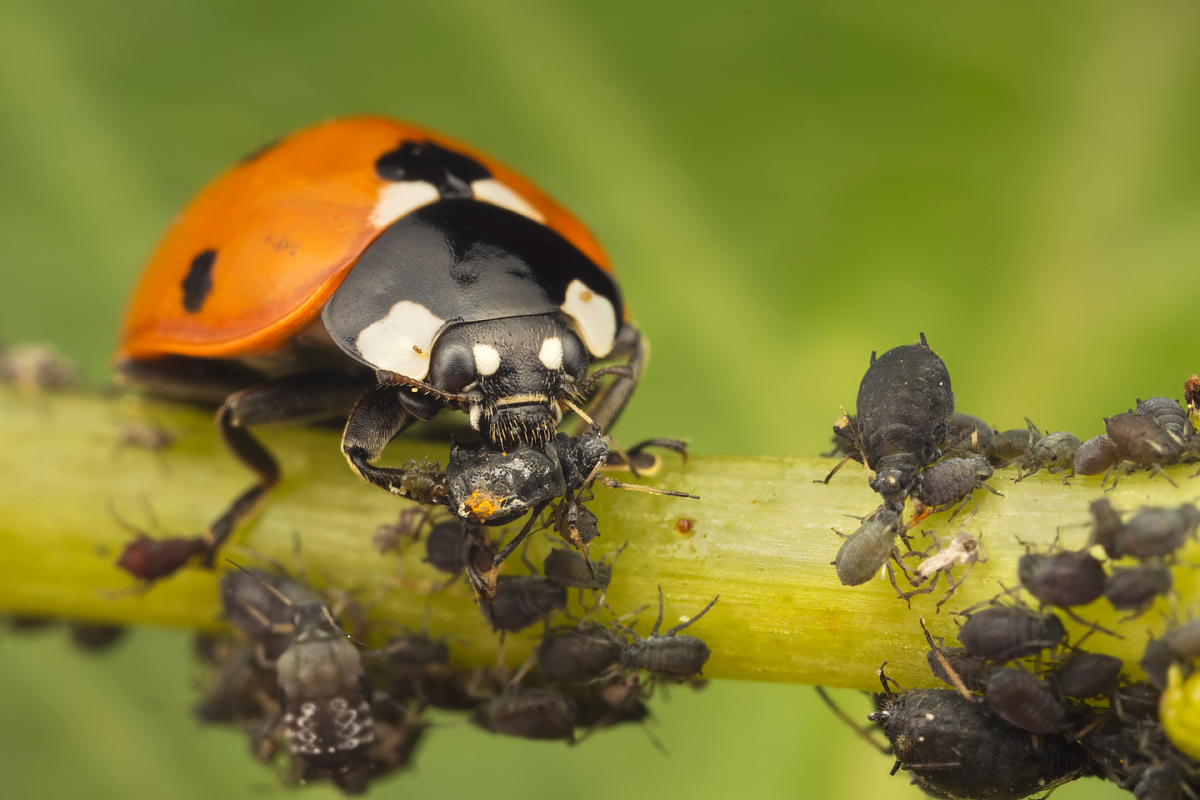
x=760 y=539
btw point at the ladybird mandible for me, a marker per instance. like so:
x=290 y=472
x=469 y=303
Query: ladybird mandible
x=372 y=268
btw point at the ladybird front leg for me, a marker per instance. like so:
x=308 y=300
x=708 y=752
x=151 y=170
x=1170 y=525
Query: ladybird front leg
x=377 y=418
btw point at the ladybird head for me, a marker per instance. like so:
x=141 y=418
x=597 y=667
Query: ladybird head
x=514 y=371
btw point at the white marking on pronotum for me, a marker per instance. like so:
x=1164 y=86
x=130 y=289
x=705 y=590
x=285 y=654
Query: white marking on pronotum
x=496 y=193
x=596 y=317
x=551 y=353
x=398 y=199
x=487 y=359
x=401 y=341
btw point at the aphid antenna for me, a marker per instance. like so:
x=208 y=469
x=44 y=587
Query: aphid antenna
x=612 y=483
x=128 y=526
x=694 y=619
x=280 y=595
x=1093 y=626
x=864 y=733
x=515 y=681
x=506 y=551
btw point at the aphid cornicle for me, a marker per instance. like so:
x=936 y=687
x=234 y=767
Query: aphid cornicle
x=959 y=748
x=380 y=270
x=1004 y=633
x=869 y=548
x=669 y=655
x=1022 y=699
x=902 y=416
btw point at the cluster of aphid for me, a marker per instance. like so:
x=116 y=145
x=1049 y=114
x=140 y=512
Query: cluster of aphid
x=297 y=684
x=1018 y=720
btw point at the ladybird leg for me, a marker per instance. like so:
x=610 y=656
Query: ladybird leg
x=203 y=380
x=307 y=397
x=608 y=403
x=377 y=418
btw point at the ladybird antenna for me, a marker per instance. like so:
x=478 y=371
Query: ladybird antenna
x=395 y=378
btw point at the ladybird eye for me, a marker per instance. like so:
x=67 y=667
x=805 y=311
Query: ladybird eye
x=574 y=357
x=453 y=367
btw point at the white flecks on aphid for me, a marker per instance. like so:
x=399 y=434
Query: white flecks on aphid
x=596 y=317
x=401 y=341
x=487 y=359
x=398 y=199
x=551 y=353
x=494 y=192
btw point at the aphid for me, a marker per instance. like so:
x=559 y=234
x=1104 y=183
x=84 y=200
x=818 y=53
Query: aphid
x=1085 y=675
x=1160 y=782
x=96 y=638
x=1169 y=414
x=1179 y=711
x=569 y=568
x=869 y=548
x=529 y=714
x=959 y=748
x=408 y=663
x=1151 y=533
x=964 y=550
x=1143 y=443
x=1096 y=456
x=952 y=480
x=600 y=704
x=903 y=410
x=841 y=447
x=1007 y=446
x=573 y=654
x=447 y=547
x=1179 y=646
x=242 y=691
x=1135 y=588
x=1062 y=579
x=949 y=663
x=35 y=369
x=969 y=433
x=404 y=531
x=1136 y=701
x=261 y=606
x=668 y=655
x=520 y=601
x=1004 y=633
x=1054 y=452
x=150 y=560
x=1024 y=700
x=395 y=745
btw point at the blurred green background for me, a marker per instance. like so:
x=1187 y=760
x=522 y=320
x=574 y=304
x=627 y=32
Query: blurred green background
x=783 y=188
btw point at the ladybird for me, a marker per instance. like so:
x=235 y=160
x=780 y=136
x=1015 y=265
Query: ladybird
x=1177 y=709
x=377 y=271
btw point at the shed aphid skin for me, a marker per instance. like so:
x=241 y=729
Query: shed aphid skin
x=369 y=316
x=1004 y=633
x=1054 y=452
x=1096 y=456
x=957 y=747
x=1136 y=588
x=1144 y=444
x=1008 y=446
x=965 y=549
x=952 y=482
x=669 y=655
x=869 y=549
x=1087 y=675
x=902 y=417
x=1024 y=700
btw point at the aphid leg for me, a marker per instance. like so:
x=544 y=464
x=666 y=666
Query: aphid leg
x=834 y=471
x=907 y=596
x=953 y=585
x=1093 y=625
x=1157 y=470
x=962 y=505
x=658 y=621
x=683 y=625
x=990 y=489
x=844 y=717
x=506 y=551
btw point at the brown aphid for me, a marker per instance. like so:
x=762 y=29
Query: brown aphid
x=1024 y=700
x=1143 y=443
x=1096 y=456
x=1054 y=452
x=1004 y=633
x=869 y=548
x=447 y=546
x=522 y=600
x=150 y=560
x=1135 y=588
x=574 y=654
x=668 y=655
x=1086 y=675
x=1007 y=446
x=96 y=638
x=529 y=714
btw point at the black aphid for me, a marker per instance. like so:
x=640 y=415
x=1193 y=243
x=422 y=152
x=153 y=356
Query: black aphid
x=670 y=654
x=404 y=531
x=407 y=665
x=447 y=546
x=949 y=663
x=1151 y=533
x=600 y=704
x=1004 y=633
x=243 y=689
x=1136 y=701
x=969 y=434
x=956 y=747
x=574 y=654
x=1024 y=700
x=1180 y=645
x=96 y=638
x=953 y=481
x=869 y=548
x=1096 y=456
x=1143 y=443
x=1062 y=579
x=1054 y=452
x=1085 y=675
x=522 y=600
x=1135 y=588
x=569 y=568
x=903 y=411
x=529 y=714
x=1169 y=414
x=1007 y=446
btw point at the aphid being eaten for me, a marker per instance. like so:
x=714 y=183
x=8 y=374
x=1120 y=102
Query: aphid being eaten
x=952 y=481
x=903 y=411
x=669 y=655
x=522 y=600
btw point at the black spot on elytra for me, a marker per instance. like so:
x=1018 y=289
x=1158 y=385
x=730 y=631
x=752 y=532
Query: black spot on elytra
x=198 y=283
x=261 y=150
x=452 y=173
